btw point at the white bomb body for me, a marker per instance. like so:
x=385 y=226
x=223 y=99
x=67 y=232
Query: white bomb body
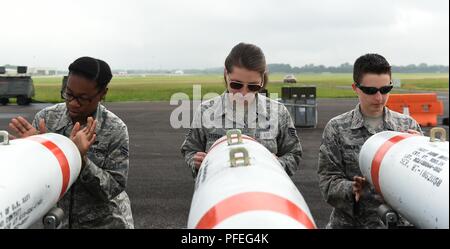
x=241 y=184
x=35 y=173
x=411 y=173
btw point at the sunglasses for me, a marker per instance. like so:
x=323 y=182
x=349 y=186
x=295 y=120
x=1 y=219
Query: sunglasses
x=253 y=87
x=236 y=85
x=373 y=90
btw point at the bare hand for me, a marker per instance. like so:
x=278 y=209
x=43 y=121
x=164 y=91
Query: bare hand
x=24 y=129
x=358 y=185
x=414 y=132
x=198 y=159
x=85 y=137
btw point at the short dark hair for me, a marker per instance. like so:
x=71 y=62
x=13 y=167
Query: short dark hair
x=248 y=56
x=93 y=69
x=370 y=63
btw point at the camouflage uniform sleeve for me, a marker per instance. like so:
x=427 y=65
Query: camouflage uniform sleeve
x=336 y=189
x=108 y=181
x=37 y=117
x=415 y=126
x=194 y=142
x=289 y=147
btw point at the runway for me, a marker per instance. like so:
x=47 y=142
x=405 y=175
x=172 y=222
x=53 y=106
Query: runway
x=161 y=186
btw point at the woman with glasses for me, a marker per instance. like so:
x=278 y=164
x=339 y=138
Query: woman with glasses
x=242 y=107
x=355 y=203
x=97 y=199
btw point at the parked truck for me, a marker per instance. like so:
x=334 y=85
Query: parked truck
x=17 y=85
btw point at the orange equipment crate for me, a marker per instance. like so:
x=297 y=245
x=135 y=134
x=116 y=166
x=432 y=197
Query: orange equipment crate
x=423 y=107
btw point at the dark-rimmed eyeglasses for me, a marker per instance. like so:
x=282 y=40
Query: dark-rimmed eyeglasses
x=369 y=90
x=80 y=99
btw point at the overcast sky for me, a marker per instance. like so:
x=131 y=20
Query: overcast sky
x=182 y=34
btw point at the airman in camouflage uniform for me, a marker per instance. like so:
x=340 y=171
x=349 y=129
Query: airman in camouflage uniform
x=242 y=107
x=273 y=128
x=97 y=199
x=342 y=140
x=355 y=201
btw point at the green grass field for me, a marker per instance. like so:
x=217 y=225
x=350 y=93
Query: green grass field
x=158 y=88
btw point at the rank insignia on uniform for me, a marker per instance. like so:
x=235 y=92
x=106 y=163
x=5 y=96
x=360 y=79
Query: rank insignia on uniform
x=292 y=132
x=124 y=150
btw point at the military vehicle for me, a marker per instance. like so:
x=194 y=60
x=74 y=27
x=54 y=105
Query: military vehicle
x=17 y=85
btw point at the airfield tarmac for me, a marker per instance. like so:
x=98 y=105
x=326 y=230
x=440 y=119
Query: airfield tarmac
x=161 y=186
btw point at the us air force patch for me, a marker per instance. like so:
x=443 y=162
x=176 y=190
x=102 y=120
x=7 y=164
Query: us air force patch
x=213 y=136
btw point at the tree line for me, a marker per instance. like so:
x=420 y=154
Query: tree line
x=348 y=68
x=287 y=68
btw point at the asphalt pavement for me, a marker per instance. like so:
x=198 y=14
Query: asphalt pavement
x=161 y=186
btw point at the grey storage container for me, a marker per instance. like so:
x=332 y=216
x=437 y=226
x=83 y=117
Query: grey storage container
x=301 y=104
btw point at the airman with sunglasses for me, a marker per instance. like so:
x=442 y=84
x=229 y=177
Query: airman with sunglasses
x=265 y=120
x=97 y=199
x=354 y=201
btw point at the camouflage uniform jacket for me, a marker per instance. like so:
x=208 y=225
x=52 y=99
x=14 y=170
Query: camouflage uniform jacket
x=97 y=199
x=273 y=128
x=342 y=140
